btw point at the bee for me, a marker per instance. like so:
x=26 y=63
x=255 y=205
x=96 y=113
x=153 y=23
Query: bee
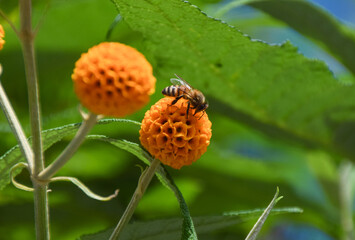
x=181 y=89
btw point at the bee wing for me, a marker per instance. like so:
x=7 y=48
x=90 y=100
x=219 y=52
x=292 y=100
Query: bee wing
x=179 y=81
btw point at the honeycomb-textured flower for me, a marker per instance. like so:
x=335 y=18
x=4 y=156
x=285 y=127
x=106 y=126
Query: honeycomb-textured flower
x=171 y=137
x=113 y=79
x=2 y=35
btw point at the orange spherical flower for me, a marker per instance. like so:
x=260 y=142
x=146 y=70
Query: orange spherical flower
x=2 y=35
x=172 y=137
x=113 y=79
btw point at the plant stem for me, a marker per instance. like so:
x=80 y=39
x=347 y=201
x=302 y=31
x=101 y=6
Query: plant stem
x=40 y=192
x=345 y=195
x=69 y=151
x=27 y=40
x=16 y=128
x=41 y=210
x=3 y=15
x=143 y=183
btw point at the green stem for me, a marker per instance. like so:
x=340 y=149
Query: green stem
x=346 y=200
x=3 y=15
x=41 y=210
x=143 y=183
x=89 y=122
x=40 y=192
x=16 y=128
x=26 y=36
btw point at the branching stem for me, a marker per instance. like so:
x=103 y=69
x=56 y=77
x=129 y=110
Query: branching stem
x=40 y=190
x=26 y=37
x=143 y=183
x=3 y=15
x=89 y=121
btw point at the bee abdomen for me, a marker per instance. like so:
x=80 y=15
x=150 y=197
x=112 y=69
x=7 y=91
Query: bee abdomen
x=172 y=91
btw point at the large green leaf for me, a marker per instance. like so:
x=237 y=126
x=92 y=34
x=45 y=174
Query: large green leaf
x=170 y=228
x=271 y=88
x=188 y=230
x=50 y=136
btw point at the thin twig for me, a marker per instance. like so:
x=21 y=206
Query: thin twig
x=41 y=20
x=346 y=200
x=16 y=128
x=143 y=183
x=89 y=122
x=3 y=15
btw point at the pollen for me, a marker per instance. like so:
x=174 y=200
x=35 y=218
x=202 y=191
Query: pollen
x=2 y=35
x=172 y=137
x=113 y=79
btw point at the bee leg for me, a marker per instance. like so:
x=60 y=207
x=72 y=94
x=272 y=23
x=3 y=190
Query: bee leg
x=176 y=99
x=188 y=108
x=202 y=115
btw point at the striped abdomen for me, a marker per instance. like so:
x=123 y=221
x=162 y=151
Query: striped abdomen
x=173 y=91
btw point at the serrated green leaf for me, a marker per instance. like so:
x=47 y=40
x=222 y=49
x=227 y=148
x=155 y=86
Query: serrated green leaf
x=188 y=230
x=270 y=88
x=170 y=228
x=50 y=136
x=13 y=156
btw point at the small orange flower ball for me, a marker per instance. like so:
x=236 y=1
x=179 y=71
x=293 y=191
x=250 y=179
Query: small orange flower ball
x=2 y=35
x=113 y=79
x=173 y=138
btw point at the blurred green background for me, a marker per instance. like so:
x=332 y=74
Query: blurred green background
x=240 y=170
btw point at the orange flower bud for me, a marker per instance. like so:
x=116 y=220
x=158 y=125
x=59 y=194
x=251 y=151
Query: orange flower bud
x=173 y=138
x=113 y=79
x=2 y=35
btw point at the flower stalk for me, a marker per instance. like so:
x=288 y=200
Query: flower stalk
x=16 y=127
x=89 y=121
x=143 y=183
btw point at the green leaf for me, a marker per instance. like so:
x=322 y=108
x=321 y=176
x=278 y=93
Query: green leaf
x=50 y=136
x=188 y=230
x=170 y=228
x=270 y=88
x=257 y=227
x=314 y=22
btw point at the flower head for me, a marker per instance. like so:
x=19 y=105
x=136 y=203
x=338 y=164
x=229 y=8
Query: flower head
x=172 y=137
x=113 y=79
x=2 y=35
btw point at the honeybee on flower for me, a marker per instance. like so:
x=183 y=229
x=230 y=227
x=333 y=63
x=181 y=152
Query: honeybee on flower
x=181 y=89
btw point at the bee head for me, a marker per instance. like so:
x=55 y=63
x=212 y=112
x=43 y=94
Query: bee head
x=204 y=106
x=201 y=107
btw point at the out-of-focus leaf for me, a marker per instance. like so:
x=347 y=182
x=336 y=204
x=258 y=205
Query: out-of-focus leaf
x=297 y=232
x=188 y=230
x=314 y=22
x=244 y=155
x=49 y=137
x=170 y=228
x=271 y=88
